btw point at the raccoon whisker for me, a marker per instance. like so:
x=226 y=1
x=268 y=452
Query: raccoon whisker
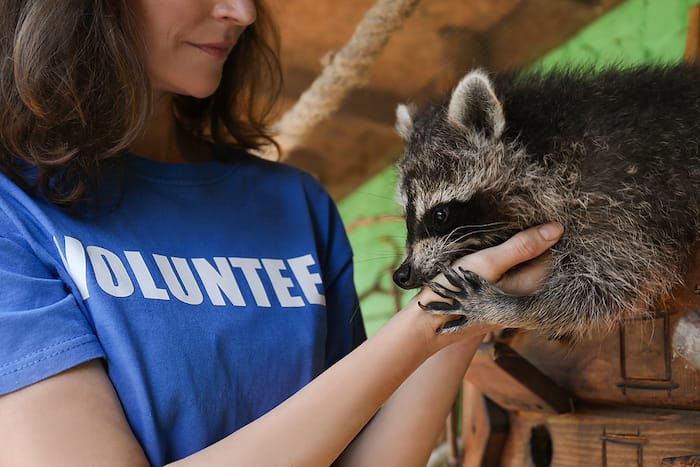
x=382 y=252
x=374 y=258
x=484 y=231
x=376 y=195
x=461 y=238
x=471 y=232
x=478 y=226
x=500 y=229
x=470 y=228
x=497 y=225
x=354 y=314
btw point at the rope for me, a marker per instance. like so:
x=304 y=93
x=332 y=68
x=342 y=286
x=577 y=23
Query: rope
x=343 y=71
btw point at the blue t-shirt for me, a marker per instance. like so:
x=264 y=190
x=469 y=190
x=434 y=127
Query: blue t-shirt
x=212 y=291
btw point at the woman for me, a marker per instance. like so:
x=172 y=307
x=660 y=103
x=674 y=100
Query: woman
x=166 y=296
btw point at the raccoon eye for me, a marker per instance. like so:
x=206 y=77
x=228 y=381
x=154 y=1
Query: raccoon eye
x=440 y=215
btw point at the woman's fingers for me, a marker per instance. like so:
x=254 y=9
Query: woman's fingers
x=528 y=277
x=492 y=263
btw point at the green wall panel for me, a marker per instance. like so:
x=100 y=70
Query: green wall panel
x=638 y=31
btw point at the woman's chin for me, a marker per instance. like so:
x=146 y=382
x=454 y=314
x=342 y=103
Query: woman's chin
x=199 y=90
x=202 y=93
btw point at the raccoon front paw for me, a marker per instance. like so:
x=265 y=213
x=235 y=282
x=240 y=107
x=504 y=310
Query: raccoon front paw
x=468 y=299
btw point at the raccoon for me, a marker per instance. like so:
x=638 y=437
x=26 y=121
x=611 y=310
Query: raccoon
x=613 y=155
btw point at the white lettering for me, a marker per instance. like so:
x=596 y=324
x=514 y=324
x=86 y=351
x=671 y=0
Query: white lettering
x=249 y=266
x=110 y=272
x=144 y=278
x=182 y=285
x=280 y=283
x=307 y=281
x=291 y=280
x=217 y=281
x=74 y=261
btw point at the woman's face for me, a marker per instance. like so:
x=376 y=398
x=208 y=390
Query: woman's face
x=187 y=41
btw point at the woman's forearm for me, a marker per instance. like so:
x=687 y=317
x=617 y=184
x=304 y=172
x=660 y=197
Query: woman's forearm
x=405 y=429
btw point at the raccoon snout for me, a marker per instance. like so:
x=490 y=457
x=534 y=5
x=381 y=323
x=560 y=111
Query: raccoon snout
x=405 y=278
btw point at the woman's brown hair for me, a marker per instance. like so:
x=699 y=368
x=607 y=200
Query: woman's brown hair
x=74 y=92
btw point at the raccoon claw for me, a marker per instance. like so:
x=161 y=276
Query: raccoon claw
x=467 y=284
x=475 y=281
x=463 y=279
x=440 y=307
x=442 y=291
x=452 y=276
x=458 y=322
x=475 y=300
x=454 y=325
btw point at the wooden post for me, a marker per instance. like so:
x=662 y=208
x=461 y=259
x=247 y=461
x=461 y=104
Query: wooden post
x=484 y=429
x=692 y=41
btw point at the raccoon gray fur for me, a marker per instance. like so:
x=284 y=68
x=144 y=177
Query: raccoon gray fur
x=613 y=155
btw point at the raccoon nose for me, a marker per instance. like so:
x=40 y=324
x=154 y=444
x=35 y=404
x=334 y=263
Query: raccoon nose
x=402 y=276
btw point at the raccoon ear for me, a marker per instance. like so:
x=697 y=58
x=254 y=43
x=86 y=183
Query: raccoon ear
x=474 y=105
x=404 y=121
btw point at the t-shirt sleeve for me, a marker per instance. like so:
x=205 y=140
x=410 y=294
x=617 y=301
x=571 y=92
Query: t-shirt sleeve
x=43 y=330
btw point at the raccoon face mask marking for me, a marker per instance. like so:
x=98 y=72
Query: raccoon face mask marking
x=461 y=227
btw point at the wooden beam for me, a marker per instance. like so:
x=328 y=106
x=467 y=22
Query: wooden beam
x=514 y=383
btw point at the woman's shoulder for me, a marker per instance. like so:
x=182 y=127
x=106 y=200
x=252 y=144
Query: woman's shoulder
x=279 y=171
x=14 y=202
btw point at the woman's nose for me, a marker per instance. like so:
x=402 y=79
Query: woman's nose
x=241 y=12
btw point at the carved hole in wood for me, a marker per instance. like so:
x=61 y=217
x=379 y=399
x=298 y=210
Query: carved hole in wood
x=540 y=446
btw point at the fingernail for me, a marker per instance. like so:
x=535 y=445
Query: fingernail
x=551 y=231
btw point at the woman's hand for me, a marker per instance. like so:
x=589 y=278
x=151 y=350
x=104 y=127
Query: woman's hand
x=498 y=265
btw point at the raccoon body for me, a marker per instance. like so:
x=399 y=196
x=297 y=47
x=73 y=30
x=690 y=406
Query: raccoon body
x=612 y=155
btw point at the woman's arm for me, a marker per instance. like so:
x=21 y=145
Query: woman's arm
x=325 y=416
x=407 y=426
x=75 y=418
x=71 y=419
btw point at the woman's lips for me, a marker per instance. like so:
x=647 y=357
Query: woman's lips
x=218 y=50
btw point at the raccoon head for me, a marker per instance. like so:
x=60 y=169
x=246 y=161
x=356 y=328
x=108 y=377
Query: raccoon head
x=455 y=175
